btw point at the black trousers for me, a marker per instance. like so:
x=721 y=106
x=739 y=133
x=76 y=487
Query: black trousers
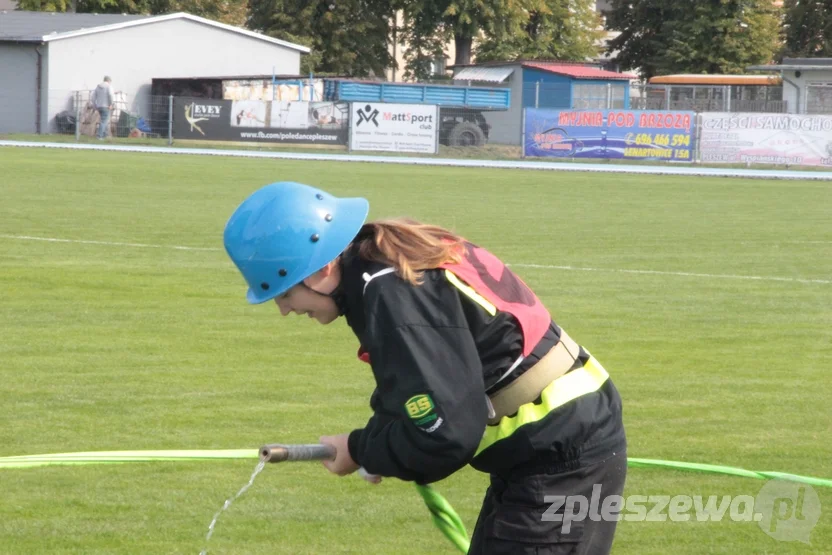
x=517 y=520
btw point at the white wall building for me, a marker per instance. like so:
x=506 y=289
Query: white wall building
x=45 y=57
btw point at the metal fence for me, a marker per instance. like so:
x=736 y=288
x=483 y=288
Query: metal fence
x=709 y=105
x=623 y=95
x=166 y=118
x=65 y=112
x=708 y=98
x=147 y=117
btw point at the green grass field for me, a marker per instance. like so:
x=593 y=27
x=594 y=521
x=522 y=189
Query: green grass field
x=116 y=347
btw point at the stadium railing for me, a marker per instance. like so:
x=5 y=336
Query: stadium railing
x=463 y=132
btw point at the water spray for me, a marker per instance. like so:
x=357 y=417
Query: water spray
x=442 y=513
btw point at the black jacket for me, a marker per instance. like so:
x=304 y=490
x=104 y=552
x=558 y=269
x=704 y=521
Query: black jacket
x=433 y=353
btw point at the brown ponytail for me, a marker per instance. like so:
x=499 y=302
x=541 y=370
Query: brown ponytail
x=409 y=246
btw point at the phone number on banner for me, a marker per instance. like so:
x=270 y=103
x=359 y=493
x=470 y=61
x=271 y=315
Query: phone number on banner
x=659 y=139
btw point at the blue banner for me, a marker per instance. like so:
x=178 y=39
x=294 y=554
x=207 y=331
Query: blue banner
x=621 y=134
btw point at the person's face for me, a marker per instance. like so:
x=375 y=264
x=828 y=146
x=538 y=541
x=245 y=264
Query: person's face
x=311 y=296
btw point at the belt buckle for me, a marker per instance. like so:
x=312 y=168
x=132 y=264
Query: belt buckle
x=491 y=412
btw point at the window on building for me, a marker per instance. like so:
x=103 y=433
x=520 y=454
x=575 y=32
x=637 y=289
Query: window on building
x=819 y=98
x=598 y=96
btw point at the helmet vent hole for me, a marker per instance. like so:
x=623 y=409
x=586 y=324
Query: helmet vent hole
x=314 y=237
x=319 y=196
x=264 y=286
x=282 y=272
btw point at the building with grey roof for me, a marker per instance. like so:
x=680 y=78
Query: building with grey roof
x=48 y=59
x=807 y=83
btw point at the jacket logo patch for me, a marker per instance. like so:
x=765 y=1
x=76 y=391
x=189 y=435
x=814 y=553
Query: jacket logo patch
x=435 y=426
x=420 y=409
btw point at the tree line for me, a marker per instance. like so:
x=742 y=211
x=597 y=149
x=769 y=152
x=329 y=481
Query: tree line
x=655 y=37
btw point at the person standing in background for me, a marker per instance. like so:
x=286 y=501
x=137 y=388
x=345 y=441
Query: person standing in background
x=102 y=99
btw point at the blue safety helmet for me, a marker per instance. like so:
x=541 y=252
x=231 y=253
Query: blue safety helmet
x=285 y=232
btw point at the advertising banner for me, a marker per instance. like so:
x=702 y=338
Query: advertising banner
x=804 y=140
x=394 y=127
x=264 y=89
x=260 y=121
x=621 y=134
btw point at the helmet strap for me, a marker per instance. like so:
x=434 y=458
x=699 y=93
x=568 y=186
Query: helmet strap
x=337 y=295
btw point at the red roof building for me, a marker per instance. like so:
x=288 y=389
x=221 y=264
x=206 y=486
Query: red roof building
x=546 y=84
x=578 y=71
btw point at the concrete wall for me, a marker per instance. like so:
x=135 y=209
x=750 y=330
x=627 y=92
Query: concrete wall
x=505 y=125
x=18 y=87
x=175 y=48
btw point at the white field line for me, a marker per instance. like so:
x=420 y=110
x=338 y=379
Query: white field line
x=777 y=243
x=535 y=266
x=684 y=274
x=107 y=243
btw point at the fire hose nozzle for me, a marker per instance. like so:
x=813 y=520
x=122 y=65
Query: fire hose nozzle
x=277 y=452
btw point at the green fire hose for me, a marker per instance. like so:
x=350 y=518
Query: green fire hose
x=442 y=514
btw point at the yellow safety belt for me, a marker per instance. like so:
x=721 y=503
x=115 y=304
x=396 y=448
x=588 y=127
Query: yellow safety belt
x=568 y=387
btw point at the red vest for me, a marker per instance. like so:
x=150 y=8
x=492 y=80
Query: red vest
x=490 y=278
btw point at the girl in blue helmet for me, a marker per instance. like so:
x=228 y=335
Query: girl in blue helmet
x=469 y=366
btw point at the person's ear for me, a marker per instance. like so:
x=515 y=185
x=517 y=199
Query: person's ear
x=327 y=270
x=320 y=275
